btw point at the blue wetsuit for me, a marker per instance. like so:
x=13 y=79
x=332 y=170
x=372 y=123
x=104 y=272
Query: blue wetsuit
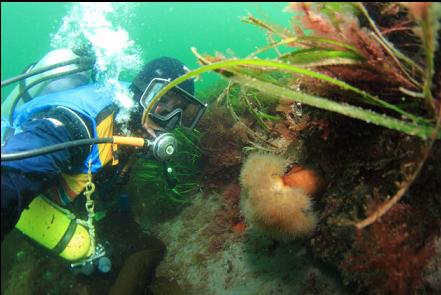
x=48 y=120
x=23 y=180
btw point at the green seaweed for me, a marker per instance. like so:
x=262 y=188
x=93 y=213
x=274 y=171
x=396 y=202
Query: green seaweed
x=185 y=165
x=230 y=68
x=260 y=74
x=320 y=57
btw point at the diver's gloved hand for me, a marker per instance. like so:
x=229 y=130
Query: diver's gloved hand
x=122 y=178
x=123 y=172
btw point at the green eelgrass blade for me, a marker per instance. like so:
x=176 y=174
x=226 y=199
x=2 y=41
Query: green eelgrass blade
x=320 y=57
x=421 y=130
x=418 y=129
x=232 y=64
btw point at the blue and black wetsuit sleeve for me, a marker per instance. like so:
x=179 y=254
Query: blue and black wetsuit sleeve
x=23 y=180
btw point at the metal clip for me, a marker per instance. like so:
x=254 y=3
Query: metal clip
x=99 y=252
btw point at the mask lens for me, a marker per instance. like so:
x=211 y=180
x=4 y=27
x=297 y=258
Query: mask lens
x=176 y=102
x=190 y=113
x=176 y=107
x=169 y=102
x=152 y=89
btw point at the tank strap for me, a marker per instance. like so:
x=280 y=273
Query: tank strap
x=62 y=244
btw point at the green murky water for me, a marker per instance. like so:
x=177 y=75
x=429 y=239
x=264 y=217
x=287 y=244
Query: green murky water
x=158 y=29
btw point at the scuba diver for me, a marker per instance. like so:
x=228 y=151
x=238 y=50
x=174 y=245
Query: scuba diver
x=59 y=130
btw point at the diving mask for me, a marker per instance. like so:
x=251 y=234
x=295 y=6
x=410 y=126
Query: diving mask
x=175 y=108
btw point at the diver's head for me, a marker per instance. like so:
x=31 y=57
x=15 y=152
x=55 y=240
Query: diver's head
x=178 y=107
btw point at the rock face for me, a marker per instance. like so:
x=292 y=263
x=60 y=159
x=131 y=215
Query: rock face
x=203 y=257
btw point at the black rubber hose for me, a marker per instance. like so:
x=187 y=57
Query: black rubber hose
x=53 y=148
x=79 y=60
x=54 y=76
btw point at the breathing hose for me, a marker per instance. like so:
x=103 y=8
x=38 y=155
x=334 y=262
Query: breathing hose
x=163 y=147
x=50 y=77
x=131 y=141
x=79 y=60
x=83 y=65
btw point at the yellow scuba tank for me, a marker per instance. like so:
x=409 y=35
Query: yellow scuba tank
x=55 y=229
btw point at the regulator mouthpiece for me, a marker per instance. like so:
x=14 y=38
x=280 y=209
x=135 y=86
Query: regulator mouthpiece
x=164 y=146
